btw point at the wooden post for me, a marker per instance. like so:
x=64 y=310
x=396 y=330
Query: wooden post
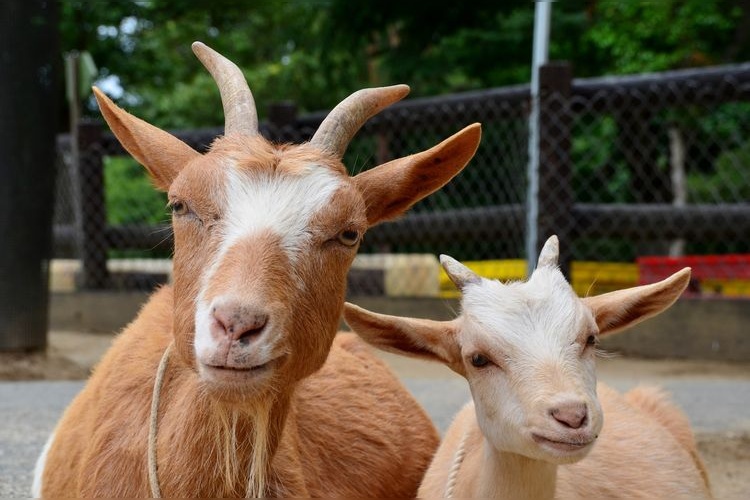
x=29 y=86
x=556 y=196
x=94 y=244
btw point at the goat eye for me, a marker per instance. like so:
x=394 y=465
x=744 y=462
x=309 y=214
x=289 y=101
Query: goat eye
x=179 y=208
x=348 y=237
x=479 y=360
x=591 y=340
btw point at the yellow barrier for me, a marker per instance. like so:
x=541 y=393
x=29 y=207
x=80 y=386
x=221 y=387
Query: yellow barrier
x=588 y=278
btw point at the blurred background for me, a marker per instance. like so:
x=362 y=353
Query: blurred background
x=643 y=145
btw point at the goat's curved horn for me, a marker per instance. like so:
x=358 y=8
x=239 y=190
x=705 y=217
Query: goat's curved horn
x=550 y=253
x=459 y=274
x=240 y=115
x=338 y=128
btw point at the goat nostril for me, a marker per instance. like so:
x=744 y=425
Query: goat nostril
x=252 y=329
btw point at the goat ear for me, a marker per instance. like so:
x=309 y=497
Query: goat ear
x=615 y=311
x=160 y=152
x=417 y=338
x=392 y=188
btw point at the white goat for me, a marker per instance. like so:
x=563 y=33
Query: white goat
x=527 y=350
x=232 y=381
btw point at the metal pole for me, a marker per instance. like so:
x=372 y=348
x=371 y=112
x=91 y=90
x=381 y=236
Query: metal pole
x=72 y=169
x=542 y=16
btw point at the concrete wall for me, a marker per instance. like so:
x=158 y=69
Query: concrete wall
x=712 y=329
x=717 y=329
x=95 y=312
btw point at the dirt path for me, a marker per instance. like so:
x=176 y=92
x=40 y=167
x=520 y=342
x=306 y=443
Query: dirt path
x=728 y=461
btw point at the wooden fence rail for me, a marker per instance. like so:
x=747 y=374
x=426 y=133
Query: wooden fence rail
x=562 y=99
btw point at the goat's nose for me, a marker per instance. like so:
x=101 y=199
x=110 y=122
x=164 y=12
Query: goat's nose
x=238 y=321
x=572 y=414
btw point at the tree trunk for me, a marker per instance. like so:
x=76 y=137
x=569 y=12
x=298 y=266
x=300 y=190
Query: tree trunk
x=29 y=61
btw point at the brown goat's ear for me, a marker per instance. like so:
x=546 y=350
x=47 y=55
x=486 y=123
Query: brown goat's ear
x=392 y=188
x=417 y=338
x=160 y=152
x=615 y=311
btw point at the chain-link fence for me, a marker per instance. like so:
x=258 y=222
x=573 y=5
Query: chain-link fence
x=638 y=176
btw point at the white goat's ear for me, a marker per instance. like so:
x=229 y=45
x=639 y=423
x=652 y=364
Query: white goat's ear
x=615 y=311
x=550 y=253
x=459 y=274
x=418 y=338
x=391 y=189
x=160 y=152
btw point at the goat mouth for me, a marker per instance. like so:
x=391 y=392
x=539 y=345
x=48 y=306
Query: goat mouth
x=563 y=445
x=237 y=374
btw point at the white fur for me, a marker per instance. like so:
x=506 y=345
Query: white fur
x=534 y=335
x=283 y=204
x=531 y=330
x=36 y=485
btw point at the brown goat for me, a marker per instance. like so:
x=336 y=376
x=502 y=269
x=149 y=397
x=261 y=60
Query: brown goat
x=260 y=397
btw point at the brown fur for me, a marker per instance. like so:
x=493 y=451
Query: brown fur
x=352 y=429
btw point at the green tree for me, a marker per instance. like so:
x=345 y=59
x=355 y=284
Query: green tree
x=146 y=46
x=635 y=37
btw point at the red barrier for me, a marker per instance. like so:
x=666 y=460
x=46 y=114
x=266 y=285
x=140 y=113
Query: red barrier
x=716 y=274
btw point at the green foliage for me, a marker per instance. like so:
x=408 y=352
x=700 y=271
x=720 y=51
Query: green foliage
x=655 y=36
x=146 y=44
x=597 y=178
x=729 y=181
x=129 y=194
x=315 y=52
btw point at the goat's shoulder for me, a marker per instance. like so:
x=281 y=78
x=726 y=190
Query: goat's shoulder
x=137 y=349
x=123 y=378
x=121 y=384
x=354 y=410
x=464 y=437
x=656 y=402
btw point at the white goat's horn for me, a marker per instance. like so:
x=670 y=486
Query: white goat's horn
x=459 y=274
x=550 y=253
x=240 y=115
x=338 y=128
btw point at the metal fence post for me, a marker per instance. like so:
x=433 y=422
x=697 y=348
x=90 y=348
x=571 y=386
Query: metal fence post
x=555 y=198
x=93 y=242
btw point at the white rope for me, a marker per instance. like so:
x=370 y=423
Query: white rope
x=153 y=473
x=457 y=461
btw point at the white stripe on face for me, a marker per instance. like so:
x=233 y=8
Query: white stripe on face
x=283 y=204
